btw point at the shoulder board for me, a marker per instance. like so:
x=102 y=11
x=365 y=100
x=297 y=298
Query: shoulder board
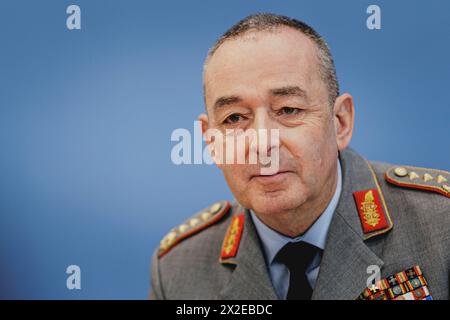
x=195 y=224
x=420 y=178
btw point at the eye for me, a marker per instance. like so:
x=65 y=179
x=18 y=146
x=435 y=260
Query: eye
x=288 y=111
x=234 y=118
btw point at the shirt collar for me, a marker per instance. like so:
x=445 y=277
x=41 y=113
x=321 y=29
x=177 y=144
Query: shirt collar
x=316 y=235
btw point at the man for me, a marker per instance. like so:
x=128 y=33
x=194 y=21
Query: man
x=327 y=219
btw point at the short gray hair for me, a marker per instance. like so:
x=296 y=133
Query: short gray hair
x=269 y=21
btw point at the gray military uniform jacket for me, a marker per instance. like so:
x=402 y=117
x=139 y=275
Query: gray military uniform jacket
x=191 y=263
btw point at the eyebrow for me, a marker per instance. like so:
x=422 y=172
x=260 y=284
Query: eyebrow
x=289 y=91
x=283 y=91
x=227 y=100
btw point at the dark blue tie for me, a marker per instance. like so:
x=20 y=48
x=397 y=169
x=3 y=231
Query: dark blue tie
x=297 y=256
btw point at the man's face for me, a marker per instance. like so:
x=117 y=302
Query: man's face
x=271 y=80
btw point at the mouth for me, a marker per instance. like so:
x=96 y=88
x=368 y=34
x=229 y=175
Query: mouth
x=275 y=178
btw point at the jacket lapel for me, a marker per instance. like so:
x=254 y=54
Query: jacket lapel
x=343 y=269
x=250 y=279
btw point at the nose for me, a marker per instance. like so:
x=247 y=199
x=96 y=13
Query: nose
x=262 y=119
x=265 y=127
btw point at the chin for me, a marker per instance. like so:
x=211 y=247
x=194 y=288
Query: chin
x=272 y=203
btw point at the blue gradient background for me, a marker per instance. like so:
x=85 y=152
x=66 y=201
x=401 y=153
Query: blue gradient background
x=86 y=118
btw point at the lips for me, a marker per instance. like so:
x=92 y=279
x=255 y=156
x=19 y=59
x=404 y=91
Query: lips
x=278 y=177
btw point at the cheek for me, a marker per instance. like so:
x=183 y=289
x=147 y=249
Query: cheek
x=235 y=176
x=304 y=143
x=310 y=147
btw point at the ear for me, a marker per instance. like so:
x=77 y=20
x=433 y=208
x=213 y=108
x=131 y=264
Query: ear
x=344 y=116
x=203 y=118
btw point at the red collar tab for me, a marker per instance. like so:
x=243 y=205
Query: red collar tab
x=371 y=213
x=233 y=237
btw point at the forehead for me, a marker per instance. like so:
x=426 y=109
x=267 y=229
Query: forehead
x=259 y=61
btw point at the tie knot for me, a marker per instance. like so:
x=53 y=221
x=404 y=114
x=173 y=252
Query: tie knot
x=296 y=255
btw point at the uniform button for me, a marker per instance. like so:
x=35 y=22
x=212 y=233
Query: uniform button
x=400 y=171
